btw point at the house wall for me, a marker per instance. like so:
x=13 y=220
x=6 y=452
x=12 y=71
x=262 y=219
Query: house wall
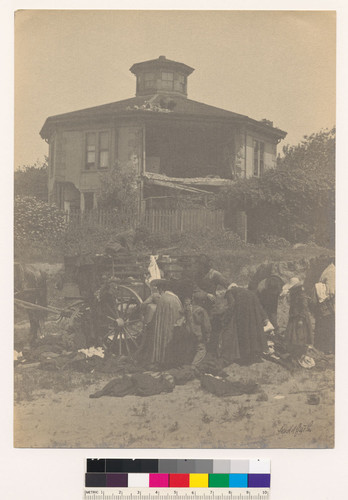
x=182 y=151
x=270 y=153
x=67 y=157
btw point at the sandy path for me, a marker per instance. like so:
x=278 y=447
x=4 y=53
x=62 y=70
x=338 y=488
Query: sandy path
x=186 y=418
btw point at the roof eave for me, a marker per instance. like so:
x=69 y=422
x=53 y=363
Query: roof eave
x=54 y=120
x=160 y=63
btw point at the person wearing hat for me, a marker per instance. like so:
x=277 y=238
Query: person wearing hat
x=299 y=332
x=207 y=280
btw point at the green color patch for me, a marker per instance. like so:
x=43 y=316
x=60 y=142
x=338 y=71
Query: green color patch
x=219 y=480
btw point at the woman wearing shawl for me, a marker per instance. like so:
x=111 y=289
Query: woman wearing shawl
x=169 y=314
x=243 y=338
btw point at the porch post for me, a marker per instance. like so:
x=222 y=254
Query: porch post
x=242 y=225
x=142 y=171
x=82 y=201
x=95 y=203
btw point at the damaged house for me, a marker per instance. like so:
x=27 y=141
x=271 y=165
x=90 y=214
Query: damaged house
x=178 y=146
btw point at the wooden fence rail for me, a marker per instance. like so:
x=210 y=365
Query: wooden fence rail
x=161 y=220
x=155 y=219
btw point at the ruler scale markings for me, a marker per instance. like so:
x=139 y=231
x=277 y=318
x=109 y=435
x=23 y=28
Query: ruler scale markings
x=218 y=494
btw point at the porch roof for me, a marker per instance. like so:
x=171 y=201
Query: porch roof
x=193 y=184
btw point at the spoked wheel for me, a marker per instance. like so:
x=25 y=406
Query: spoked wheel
x=123 y=320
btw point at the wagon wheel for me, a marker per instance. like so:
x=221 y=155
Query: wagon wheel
x=123 y=320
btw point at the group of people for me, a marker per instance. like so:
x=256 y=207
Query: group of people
x=186 y=319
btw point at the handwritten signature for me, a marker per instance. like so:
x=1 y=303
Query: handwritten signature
x=295 y=429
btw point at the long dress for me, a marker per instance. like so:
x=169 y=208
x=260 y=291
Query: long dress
x=324 y=314
x=299 y=331
x=244 y=333
x=168 y=313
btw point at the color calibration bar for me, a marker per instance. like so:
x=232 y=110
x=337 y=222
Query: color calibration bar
x=151 y=473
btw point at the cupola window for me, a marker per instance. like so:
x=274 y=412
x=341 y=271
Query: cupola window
x=167 y=80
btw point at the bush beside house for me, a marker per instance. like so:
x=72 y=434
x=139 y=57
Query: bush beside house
x=296 y=200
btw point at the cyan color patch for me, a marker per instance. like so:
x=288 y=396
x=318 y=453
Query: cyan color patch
x=238 y=481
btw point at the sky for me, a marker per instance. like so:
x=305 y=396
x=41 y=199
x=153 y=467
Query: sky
x=278 y=65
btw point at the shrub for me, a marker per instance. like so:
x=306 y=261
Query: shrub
x=202 y=240
x=274 y=241
x=296 y=200
x=36 y=220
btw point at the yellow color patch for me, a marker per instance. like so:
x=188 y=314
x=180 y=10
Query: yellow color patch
x=199 y=480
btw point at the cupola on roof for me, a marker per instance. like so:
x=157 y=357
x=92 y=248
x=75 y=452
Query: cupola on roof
x=161 y=76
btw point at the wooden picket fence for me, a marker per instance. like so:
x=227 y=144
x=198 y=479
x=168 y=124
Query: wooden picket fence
x=155 y=219
x=170 y=221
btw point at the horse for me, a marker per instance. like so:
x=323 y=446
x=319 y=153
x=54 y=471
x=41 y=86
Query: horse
x=30 y=285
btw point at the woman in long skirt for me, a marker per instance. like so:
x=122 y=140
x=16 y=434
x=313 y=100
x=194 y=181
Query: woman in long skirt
x=243 y=338
x=299 y=332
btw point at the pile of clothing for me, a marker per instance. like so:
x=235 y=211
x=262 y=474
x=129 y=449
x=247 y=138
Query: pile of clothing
x=139 y=384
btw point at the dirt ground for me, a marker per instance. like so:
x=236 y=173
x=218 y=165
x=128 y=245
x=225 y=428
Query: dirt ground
x=53 y=409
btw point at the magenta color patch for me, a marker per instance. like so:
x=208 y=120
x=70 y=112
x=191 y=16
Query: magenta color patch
x=159 y=480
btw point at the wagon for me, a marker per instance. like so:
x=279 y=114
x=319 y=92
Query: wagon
x=111 y=290
x=104 y=293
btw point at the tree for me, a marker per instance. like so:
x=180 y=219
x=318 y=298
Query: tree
x=315 y=153
x=297 y=199
x=31 y=180
x=119 y=188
